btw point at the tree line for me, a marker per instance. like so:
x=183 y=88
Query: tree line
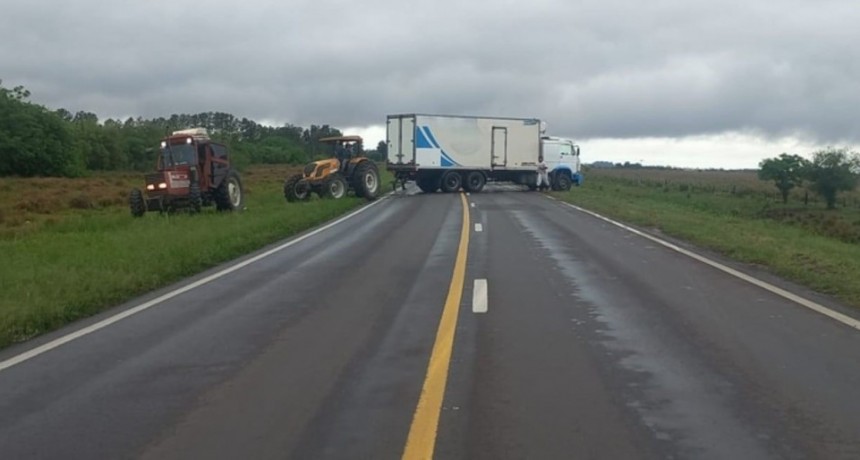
x=829 y=172
x=38 y=141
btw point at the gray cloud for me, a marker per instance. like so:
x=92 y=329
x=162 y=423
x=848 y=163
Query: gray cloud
x=611 y=69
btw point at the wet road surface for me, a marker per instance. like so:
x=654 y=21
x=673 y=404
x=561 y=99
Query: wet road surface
x=583 y=340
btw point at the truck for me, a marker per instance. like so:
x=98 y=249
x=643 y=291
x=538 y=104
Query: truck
x=448 y=152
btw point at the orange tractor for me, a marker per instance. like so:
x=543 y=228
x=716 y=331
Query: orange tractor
x=192 y=172
x=349 y=170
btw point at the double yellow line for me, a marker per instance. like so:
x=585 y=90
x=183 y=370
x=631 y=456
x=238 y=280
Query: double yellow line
x=425 y=422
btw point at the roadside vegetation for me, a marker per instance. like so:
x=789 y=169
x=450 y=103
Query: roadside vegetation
x=69 y=244
x=805 y=235
x=68 y=258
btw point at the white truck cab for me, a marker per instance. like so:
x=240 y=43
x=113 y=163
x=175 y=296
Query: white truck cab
x=562 y=158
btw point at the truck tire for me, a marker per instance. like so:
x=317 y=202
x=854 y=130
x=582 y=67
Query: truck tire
x=229 y=196
x=295 y=189
x=365 y=180
x=562 y=182
x=136 y=203
x=475 y=182
x=428 y=184
x=334 y=187
x=451 y=182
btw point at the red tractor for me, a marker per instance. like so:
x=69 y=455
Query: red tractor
x=192 y=172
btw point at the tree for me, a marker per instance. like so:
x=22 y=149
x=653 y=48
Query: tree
x=833 y=171
x=786 y=171
x=33 y=140
x=382 y=149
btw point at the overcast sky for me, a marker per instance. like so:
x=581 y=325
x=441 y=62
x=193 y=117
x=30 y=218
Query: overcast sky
x=690 y=83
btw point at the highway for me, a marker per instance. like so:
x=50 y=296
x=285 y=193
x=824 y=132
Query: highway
x=500 y=325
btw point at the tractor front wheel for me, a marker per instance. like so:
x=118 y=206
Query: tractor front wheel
x=137 y=203
x=295 y=189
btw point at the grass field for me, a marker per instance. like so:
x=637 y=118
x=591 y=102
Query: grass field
x=70 y=247
x=736 y=214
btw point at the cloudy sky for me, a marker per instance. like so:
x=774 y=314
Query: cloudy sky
x=681 y=82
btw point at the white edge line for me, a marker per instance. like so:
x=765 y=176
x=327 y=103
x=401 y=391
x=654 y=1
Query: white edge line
x=479 y=228
x=479 y=296
x=30 y=354
x=842 y=318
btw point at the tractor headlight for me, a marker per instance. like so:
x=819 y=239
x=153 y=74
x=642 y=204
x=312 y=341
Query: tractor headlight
x=188 y=141
x=162 y=186
x=163 y=144
x=150 y=186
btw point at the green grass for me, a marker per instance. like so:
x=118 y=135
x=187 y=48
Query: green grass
x=814 y=250
x=84 y=262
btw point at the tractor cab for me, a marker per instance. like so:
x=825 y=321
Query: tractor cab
x=347 y=149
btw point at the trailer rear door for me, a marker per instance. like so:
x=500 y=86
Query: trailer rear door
x=401 y=139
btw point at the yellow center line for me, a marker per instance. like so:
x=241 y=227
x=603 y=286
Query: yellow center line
x=425 y=422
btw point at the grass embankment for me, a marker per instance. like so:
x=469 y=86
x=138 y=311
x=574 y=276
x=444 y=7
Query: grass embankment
x=63 y=261
x=737 y=216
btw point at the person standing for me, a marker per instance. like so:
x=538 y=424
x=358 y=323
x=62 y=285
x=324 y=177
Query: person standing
x=543 y=175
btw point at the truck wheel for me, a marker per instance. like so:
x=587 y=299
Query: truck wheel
x=475 y=182
x=334 y=187
x=451 y=182
x=136 y=203
x=229 y=195
x=428 y=184
x=562 y=182
x=366 y=180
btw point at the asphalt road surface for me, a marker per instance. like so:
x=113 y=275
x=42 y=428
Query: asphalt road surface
x=518 y=328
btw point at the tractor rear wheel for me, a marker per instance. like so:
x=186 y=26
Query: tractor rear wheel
x=365 y=180
x=295 y=189
x=334 y=187
x=229 y=195
x=137 y=203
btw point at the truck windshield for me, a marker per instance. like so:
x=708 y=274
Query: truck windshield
x=178 y=154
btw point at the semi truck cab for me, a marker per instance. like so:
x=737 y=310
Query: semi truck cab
x=562 y=158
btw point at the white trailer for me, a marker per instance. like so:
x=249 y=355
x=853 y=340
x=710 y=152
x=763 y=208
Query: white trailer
x=449 y=152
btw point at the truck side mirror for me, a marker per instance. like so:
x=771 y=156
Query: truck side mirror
x=576 y=150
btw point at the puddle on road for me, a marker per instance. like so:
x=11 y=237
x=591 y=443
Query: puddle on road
x=683 y=404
